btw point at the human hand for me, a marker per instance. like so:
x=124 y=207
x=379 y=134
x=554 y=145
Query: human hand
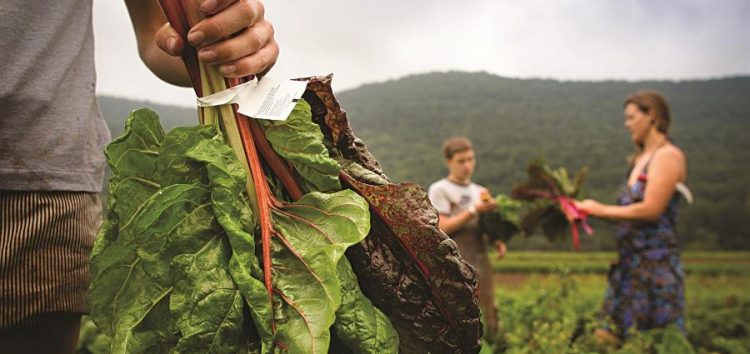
x=235 y=36
x=590 y=207
x=486 y=203
x=501 y=248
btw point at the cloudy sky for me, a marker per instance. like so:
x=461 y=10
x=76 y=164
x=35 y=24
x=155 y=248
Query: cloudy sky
x=371 y=41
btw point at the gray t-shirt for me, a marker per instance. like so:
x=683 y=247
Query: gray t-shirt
x=51 y=131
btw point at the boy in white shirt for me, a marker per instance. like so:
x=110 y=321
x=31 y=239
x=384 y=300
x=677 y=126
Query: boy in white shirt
x=459 y=201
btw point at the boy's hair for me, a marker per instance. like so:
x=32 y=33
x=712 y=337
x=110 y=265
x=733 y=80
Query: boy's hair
x=455 y=145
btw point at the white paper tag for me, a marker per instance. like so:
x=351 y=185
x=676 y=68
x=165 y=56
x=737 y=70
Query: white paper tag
x=265 y=99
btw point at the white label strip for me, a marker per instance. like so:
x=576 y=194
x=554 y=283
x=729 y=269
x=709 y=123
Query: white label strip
x=265 y=99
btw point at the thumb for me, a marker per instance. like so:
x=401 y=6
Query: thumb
x=168 y=40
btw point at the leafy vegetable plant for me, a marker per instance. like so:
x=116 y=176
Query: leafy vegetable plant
x=552 y=193
x=250 y=236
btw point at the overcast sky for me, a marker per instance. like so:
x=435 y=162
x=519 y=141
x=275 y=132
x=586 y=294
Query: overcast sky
x=370 y=41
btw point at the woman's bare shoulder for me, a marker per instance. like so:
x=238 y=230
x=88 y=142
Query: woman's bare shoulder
x=671 y=158
x=670 y=152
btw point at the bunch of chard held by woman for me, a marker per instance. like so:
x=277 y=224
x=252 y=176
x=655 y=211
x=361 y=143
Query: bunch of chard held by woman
x=347 y=260
x=551 y=194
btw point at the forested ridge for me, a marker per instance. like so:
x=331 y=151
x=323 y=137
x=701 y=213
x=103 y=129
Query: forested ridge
x=568 y=123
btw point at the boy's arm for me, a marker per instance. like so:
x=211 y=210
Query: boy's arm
x=451 y=224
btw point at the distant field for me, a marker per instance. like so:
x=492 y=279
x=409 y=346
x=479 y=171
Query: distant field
x=545 y=298
x=704 y=263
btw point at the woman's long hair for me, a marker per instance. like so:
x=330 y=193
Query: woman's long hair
x=652 y=103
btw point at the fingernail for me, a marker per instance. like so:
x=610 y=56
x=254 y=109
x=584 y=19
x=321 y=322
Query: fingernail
x=208 y=5
x=172 y=45
x=227 y=69
x=196 y=38
x=207 y=55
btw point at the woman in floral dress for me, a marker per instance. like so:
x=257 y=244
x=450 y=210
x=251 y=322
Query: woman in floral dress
x=646 y=285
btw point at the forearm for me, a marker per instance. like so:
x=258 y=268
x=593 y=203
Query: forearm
x=451 y=224
x=633 y=212
x=166 y=67
x=147 y=18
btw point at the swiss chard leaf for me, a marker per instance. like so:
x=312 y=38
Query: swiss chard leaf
x=406 y=266
x=207 y=305
x=547 y=189
x=155 y=250
x=132 y=275
x=233 y=212
x=361 y=326
x=299 y=141
x=311 y=236
x=132 y=158
x=505 y=222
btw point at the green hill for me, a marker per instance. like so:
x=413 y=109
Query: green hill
x=571 y=124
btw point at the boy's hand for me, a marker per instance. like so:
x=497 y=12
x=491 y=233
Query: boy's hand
x=485 y=203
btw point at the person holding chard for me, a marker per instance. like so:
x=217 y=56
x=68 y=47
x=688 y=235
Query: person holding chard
x=52 y=136
x=459 y=201
x=646 y=285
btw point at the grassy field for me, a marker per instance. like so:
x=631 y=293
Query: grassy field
x=547 y=298
x=696 y=263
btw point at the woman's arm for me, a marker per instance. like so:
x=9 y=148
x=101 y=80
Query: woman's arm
x=250 y=50
x=666 y=169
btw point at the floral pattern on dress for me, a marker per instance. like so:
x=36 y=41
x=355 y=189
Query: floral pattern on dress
x=646 y=285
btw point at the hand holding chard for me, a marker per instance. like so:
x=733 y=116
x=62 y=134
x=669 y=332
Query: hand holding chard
x=233 y=35
x=175 y=264
x=553 y=193
x=505 y=221
x=576 y=217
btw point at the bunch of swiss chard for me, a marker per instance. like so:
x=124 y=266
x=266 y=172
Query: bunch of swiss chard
x=551 y=194
x=251 y=236
x=506 y=221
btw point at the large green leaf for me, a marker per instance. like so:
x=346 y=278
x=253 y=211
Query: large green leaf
x=359 y=325
x=135 y=152
x=132 y=158
x=406 y=266
x=134 y=270
x=177 y=269
x=174 y=166
x=233 y=212
x=207 y=304
x=299 y=140
x=165 y=246
x=311 y=236
x=91 y=340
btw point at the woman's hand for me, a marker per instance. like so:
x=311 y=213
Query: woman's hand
x=590 y=207
x=235 y=36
